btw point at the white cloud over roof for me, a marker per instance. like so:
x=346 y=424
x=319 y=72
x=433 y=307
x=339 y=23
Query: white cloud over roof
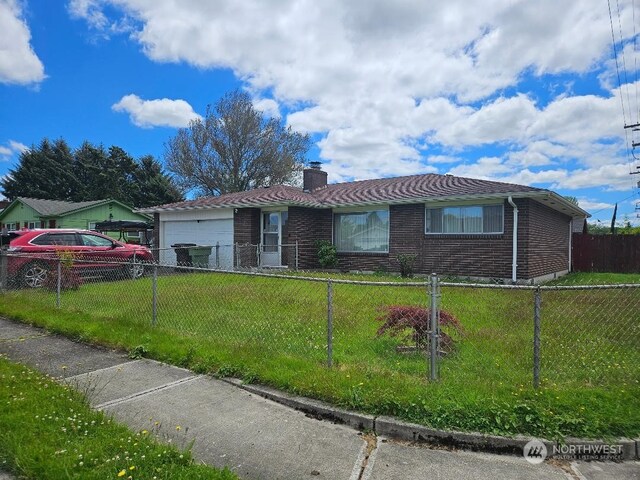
x=389 y=84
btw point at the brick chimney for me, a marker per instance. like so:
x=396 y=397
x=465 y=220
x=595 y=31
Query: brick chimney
x=313 y=177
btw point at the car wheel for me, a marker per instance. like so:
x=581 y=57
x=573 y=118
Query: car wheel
x=135 y=268
x=34 y=275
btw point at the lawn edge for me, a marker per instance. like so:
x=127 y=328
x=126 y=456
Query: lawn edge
x=381 y=425
x=391 y=427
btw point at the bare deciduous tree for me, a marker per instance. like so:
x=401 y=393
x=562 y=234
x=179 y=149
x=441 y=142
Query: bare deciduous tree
x=235 y=148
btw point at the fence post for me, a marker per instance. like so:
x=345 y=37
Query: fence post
x=154 y=300
x=329 y=323
x=297 y=255
x=58 y=282
x=434 y=336
x=217 y=255
x=237 y=255
x=537 y=300
x=4 y=276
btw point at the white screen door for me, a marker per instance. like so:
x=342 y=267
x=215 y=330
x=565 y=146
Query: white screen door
x=271 y=239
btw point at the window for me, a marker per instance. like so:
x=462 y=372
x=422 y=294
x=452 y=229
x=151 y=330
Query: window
x=361 y=231
x=91 y=226
x=11 y=226
x=468 y=219
x=95 y=240
x=31 y=225
x=66 y=239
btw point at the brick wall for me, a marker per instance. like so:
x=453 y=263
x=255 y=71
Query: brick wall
x=246 y=230
x=548 y=240
x=542 y=242
x=460 y=255
x=306 y=225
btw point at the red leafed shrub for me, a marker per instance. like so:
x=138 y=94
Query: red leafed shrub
x=400 y=318
x=69 y=280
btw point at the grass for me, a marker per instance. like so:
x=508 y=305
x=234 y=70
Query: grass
x=273 y=331
x=47 y=431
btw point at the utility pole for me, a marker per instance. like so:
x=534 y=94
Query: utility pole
x=635 y=128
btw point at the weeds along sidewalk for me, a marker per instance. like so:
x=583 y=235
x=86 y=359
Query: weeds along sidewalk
x=574 y=373
x=47 y=431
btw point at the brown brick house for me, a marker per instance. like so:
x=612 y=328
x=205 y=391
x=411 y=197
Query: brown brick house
x=455 y=226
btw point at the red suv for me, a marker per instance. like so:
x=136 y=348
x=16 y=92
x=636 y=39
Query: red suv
x=34 y=253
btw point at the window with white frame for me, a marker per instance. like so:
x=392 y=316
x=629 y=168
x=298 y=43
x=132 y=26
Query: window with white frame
x=31 y=225
x=12 y=226
x=465 y=219
x=91 y=226
x=362 y=231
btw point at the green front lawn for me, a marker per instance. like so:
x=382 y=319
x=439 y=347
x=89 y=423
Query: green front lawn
x=273 y=330
x=47 y=431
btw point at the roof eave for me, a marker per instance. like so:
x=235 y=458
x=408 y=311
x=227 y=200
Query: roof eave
x=289 y=203
x=555 y=202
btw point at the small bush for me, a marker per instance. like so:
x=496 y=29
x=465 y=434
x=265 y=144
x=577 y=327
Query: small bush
x=400 y=318
x=327 y=254
x=406 y=261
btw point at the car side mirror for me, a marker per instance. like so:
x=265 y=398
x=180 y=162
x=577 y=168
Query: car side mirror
x=114 y=245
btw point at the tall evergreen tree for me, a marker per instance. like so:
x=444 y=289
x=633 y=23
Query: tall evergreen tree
x=153 y=186
x=45 y=171
x=52 y=171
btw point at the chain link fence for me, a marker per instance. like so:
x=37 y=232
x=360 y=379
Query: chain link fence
x=560 y=334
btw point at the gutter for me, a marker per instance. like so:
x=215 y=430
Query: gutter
x=514 y=260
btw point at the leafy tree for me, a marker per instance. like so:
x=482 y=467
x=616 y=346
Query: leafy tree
x=598 y=229
x=52 y=171
x=234 y=148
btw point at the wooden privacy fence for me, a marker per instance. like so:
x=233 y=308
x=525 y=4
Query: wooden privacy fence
x=606 y=253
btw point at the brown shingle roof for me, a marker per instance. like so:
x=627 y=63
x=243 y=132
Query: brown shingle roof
x=276 y=195
x=412 y=187
x=384 y=190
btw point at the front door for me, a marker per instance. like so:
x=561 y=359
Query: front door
x=271 y=251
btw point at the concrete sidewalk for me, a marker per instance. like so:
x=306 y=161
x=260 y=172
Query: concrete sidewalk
x=255 y=437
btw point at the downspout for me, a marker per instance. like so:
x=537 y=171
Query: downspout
x=514 y=260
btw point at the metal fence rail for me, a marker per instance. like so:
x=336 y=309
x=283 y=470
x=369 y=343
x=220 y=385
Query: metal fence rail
x=515 y=335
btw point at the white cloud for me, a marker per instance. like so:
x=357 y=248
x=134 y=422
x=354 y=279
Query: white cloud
x=18 y=62
x=268 y=106
x=443 y=159
x=381 y=82
x=89 y=10
x=12 y=148
x=17 y=146
x=593 y=205
x=612 y=177
x=163 y=112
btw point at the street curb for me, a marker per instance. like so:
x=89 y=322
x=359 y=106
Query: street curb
x=315 y=408
x=394 y=428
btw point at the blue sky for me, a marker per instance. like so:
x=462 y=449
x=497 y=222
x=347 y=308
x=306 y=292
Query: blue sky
x=524 y=92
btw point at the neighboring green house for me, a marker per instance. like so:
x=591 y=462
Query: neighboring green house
x=26 y=212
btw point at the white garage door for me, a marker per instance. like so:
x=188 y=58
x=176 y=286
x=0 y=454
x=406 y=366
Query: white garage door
x=200 y=232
